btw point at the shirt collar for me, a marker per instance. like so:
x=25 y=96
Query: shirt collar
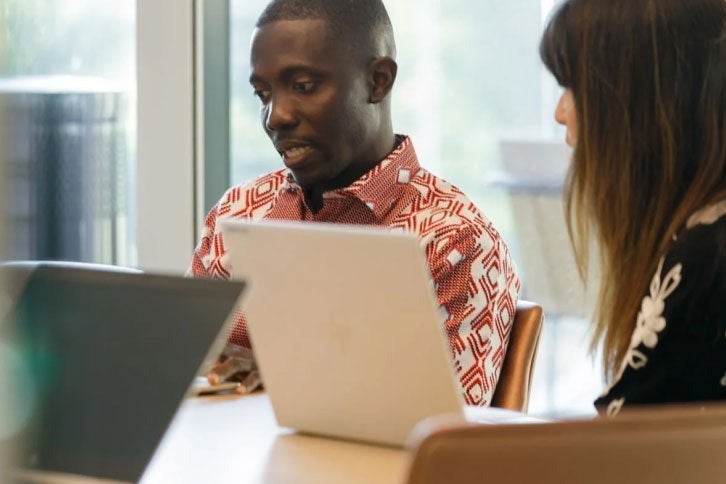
x=385 y=183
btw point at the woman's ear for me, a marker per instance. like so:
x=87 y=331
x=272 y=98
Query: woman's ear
x=381 y=76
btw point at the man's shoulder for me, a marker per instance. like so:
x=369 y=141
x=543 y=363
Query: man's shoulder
x=269 y=181
x=249 y=199
x=263 y=185
x=439 y=198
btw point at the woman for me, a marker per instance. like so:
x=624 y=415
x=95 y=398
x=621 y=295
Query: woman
x=645 y=110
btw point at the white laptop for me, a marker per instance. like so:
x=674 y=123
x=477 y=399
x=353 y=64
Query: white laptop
x=345 y=328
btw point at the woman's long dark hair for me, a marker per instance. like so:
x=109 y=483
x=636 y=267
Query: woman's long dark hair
x=648 y=80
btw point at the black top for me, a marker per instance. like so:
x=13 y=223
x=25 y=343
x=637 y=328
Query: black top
x=678 y=349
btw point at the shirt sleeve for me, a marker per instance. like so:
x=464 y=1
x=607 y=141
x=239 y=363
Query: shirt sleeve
x=677 y=349
x=208 y=261
x=477 y=287
x=198 y=267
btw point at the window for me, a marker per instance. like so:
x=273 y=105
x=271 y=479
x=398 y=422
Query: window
x=67 y=80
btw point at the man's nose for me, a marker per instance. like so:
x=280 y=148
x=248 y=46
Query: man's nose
x=279 y=114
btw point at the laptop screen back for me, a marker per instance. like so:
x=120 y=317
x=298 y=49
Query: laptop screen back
x=109 y=358
x=345 y=326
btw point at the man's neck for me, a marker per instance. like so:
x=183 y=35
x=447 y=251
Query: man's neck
x=314 y=194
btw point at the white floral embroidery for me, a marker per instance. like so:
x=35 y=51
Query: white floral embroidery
x=723 y=380
x=650 y=320
x=707 y=215
x=615 y=406
x=637 y=359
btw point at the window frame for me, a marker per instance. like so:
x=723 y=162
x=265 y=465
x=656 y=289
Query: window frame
x=183 y=120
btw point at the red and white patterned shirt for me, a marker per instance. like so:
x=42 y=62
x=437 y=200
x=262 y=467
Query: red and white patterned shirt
x=475 y=278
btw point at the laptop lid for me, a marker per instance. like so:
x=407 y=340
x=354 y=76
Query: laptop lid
x=105 y=361
x=345 y=327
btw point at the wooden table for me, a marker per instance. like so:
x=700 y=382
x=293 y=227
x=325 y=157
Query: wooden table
x=236 y=439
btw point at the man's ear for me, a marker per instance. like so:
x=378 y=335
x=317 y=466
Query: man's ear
x=381 y=76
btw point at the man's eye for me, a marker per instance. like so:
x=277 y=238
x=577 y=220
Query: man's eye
x=261 y=94
x=304 y=87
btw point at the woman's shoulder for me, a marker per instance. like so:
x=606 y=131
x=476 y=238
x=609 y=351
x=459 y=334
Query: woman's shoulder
x=703 y=240
x=698 y=254
x=677 y=348
x=708 y=215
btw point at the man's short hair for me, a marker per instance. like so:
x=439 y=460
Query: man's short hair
x=364 y=23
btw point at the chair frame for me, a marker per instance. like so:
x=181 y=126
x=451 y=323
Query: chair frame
x=515 y=380
x=669 y=443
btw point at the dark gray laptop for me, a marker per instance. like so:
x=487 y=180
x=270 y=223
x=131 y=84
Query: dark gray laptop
x=108 y=357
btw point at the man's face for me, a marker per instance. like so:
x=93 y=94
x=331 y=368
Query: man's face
x=314 y=99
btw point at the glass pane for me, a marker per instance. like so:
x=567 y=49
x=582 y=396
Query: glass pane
x=251 y=151
x=67 y=80
x=473 y=95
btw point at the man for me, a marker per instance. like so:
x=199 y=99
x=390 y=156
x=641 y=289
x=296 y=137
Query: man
x=323 y=71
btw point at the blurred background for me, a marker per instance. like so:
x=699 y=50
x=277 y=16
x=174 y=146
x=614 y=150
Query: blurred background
x=67 y=83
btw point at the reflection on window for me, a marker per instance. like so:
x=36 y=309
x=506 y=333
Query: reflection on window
x=67 y=75
x=473 y=95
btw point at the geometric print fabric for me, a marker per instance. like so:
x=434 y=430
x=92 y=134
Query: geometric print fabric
x=471 y=267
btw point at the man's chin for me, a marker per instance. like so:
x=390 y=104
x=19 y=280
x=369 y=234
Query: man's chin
x=306 y=179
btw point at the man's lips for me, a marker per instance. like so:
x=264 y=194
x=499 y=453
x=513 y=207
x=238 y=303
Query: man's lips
x=294 y=154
